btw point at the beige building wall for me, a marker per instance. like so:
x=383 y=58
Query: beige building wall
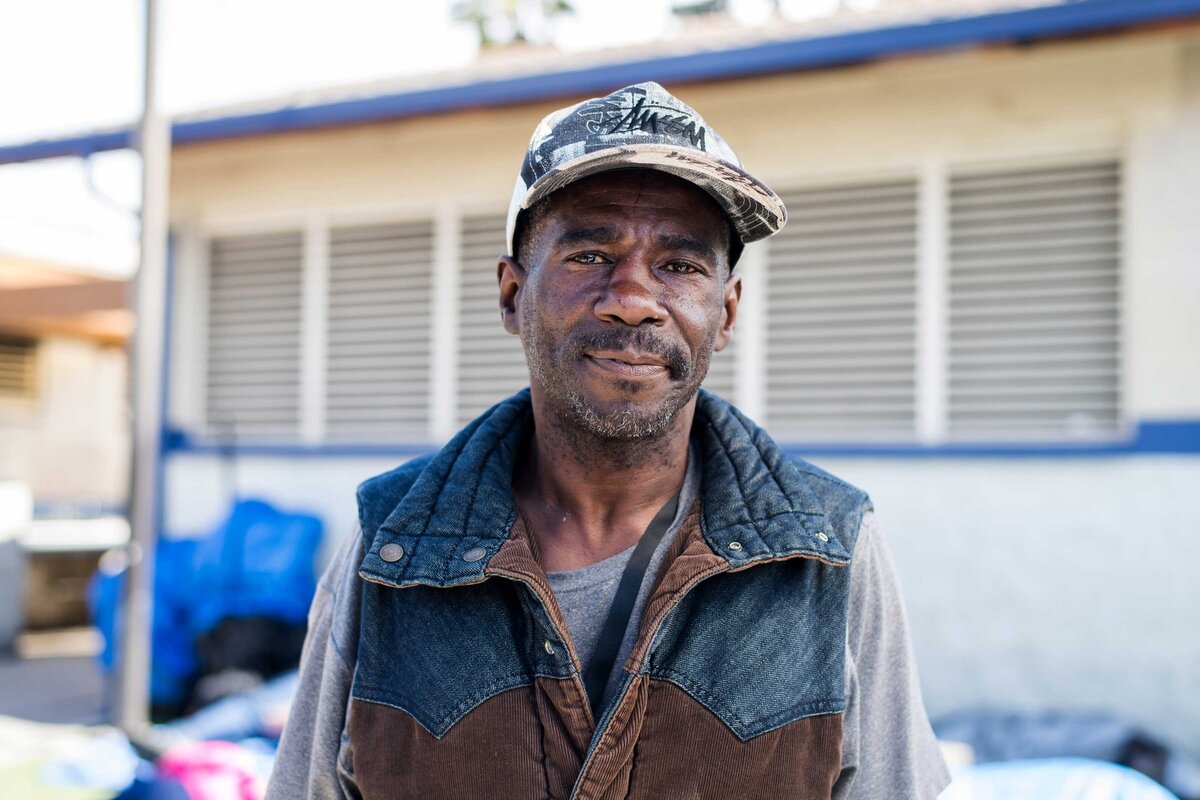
x=1134 y=98
x=69 y=441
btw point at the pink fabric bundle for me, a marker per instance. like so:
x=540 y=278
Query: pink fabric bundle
x=214 y=771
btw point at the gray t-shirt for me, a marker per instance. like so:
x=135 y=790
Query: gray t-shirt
x=888 y=747
x=586 y=594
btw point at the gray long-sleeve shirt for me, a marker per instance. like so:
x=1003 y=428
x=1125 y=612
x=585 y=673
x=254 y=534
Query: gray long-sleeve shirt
x=888 y=747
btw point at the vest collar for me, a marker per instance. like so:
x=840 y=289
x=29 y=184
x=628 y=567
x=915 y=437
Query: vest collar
x=755 y=503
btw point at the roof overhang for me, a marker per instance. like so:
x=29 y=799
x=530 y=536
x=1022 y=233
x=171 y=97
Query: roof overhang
x=39 y=298
x=810 y=53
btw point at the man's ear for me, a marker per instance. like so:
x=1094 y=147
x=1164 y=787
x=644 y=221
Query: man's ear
x=511 y=275
x=733 y=293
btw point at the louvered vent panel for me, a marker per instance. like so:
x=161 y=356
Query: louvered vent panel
x=1034 y=301
x=254 y=334
x=17 y=356
x=841 y=328
x=491 y=364
x=378 y=374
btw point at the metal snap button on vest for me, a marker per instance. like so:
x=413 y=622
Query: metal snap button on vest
x=824 y=537
x=474 y=554
x=735 y=545
x=549 y=647
x=391 y=553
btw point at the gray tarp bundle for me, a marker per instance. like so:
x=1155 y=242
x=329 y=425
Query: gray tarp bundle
x=1008 y=736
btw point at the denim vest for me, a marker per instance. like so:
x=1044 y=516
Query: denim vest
x=467 y=684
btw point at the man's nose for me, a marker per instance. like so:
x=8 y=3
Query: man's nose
x=631 y=294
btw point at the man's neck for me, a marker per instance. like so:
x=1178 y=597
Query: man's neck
x=587 y=497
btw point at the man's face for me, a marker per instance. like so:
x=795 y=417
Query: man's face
x=622 y=296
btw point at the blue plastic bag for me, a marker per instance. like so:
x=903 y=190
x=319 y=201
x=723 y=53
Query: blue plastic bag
x=258 y=562
x=173 y=657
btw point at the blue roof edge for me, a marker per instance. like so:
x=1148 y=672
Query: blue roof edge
x=1080 y=17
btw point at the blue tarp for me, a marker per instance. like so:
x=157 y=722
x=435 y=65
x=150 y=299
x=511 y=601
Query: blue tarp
x=257 y=563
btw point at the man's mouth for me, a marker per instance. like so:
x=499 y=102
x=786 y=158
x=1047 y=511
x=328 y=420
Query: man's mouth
x=627 y=365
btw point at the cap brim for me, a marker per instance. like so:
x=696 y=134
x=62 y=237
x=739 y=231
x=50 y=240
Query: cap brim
x=755 y=211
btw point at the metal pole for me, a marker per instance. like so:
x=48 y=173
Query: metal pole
x=154 y=144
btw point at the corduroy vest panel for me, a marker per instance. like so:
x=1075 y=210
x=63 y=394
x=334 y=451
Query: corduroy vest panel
x=519 y=744
x=798 y=761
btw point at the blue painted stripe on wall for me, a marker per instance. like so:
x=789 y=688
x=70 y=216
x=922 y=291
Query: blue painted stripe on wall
x=1152 y=438
x=1081 y=17
x=304 y=450
x=1170 y=436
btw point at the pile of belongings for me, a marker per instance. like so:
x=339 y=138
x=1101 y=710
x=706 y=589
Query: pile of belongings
x=1060 y=755
x=229 y=608
x=74 y=762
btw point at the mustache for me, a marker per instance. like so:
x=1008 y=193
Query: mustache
x=643 y=340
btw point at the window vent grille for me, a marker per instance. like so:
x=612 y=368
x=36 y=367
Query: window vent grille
x=17 y=367
x=1034 y=303
x=491 y=363
x=254 y=334
x=841 y=325
x=380 y=295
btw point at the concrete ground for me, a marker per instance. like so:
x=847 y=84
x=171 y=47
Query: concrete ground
x=53 y=677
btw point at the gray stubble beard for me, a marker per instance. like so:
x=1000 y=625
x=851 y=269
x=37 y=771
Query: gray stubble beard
x=623 y=425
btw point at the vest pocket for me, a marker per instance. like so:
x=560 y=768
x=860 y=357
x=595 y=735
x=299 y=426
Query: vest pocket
x=759 y=649
x=526 y=742
x=438 y=653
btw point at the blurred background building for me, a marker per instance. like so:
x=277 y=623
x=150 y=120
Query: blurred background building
x=63 y=383
x=983 y=309
x=64 y=436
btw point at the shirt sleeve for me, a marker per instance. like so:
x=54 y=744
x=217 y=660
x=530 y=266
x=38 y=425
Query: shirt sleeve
x=889 y=749
x=314 y=757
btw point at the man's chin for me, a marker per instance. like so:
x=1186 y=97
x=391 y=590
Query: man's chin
x=621 y=421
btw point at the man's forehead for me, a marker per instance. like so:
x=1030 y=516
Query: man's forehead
x=632 y=193
x=636 y=180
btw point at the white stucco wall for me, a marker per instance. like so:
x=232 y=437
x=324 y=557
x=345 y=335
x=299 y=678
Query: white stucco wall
x=1049 y=583
x=199 y=489
x=1030 y=583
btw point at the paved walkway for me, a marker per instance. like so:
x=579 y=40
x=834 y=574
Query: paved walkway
x=48 y=680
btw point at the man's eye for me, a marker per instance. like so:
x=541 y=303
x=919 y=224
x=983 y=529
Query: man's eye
x=681 y=267
x=588 y=258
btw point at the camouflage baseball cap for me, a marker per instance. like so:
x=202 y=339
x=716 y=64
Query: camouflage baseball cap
x=643 y=126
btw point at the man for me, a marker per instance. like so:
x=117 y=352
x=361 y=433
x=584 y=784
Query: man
x=613 y=585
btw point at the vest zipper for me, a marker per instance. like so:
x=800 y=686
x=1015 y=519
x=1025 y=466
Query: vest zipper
x=598 y=734
x=563 y=636
x=652 y=632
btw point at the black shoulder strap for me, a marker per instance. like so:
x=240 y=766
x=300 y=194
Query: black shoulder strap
x=595 y=675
